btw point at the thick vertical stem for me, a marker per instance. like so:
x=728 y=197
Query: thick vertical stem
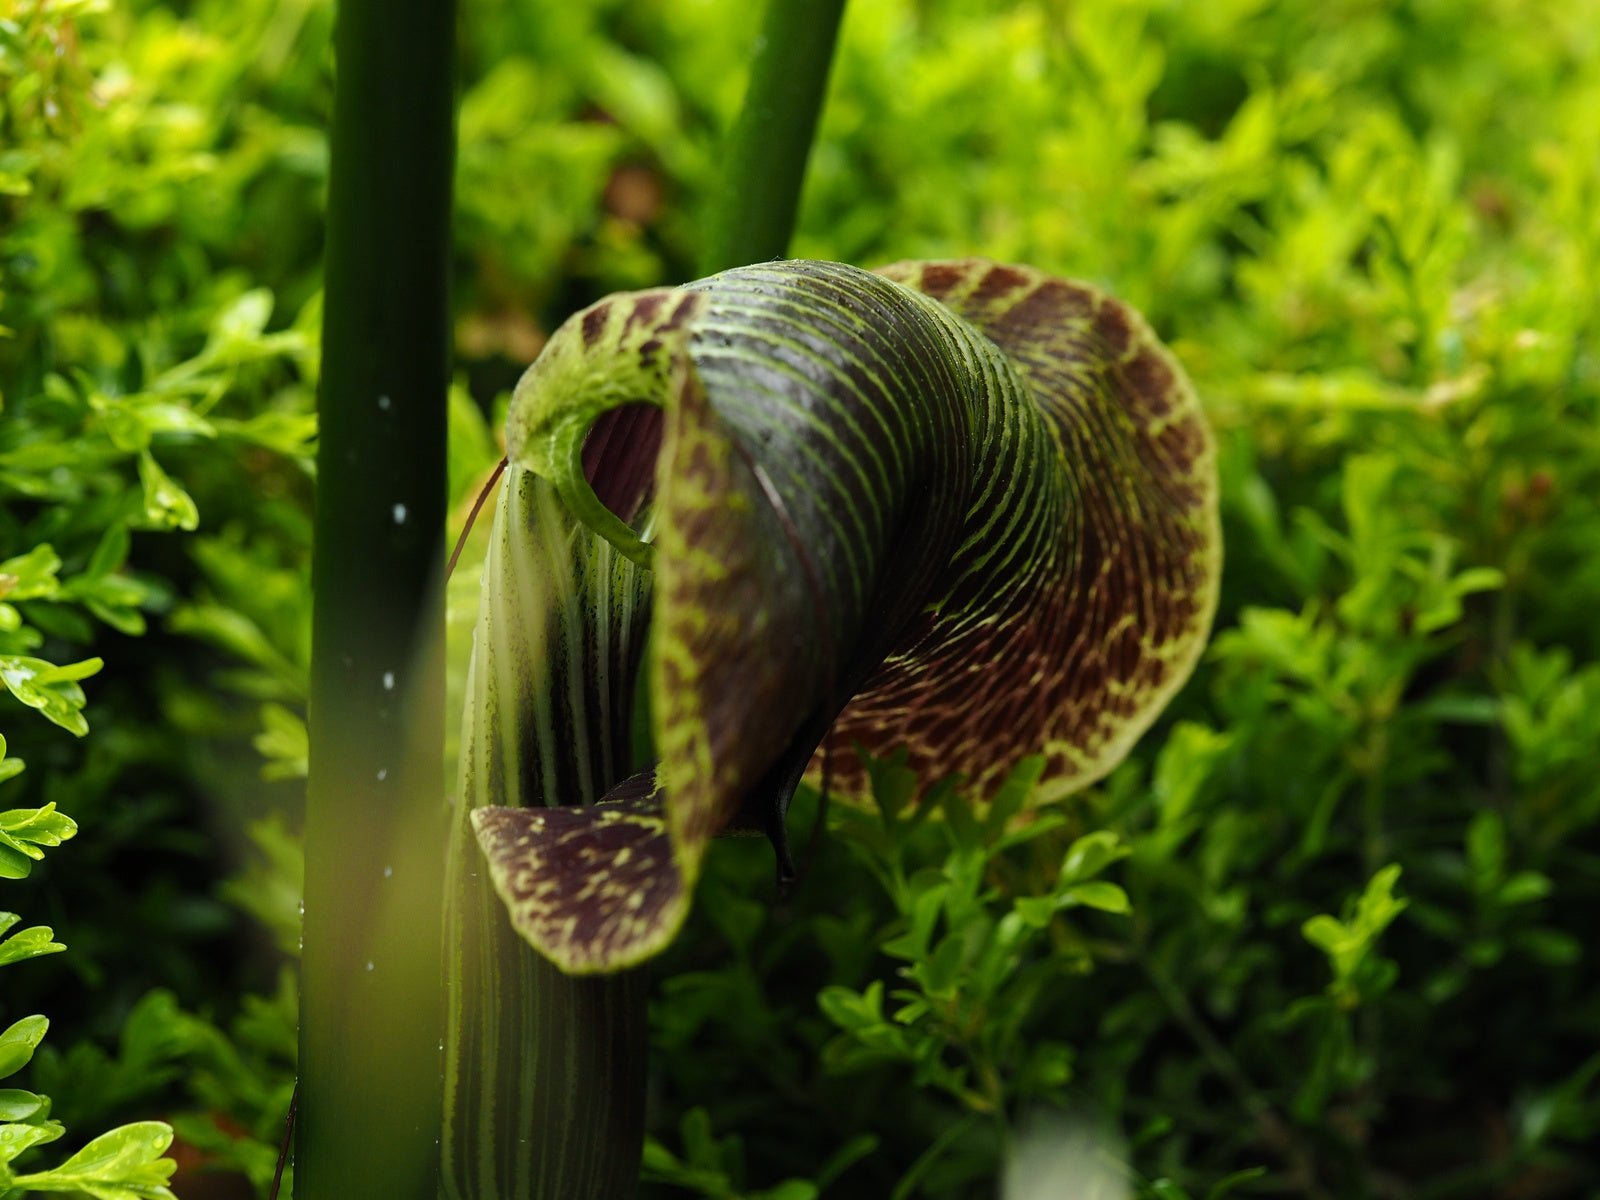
x=753 y=213
x=370 y=1070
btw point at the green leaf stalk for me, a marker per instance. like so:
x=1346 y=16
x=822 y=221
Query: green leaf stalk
x=753 y=212
x=371 y=995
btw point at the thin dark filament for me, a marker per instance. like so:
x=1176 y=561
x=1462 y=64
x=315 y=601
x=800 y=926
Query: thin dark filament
x=283 y=1149
x=473 y=516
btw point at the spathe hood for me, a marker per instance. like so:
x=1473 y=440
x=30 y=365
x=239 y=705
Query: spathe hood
x=962 y=509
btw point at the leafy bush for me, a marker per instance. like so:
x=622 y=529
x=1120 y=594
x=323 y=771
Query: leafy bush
x=1323 y=935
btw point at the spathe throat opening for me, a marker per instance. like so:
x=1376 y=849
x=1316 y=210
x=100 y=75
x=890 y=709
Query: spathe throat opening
x=619 y=460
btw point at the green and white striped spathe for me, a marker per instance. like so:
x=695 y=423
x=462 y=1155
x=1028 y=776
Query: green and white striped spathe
x=544 y=1073
x=963 y=510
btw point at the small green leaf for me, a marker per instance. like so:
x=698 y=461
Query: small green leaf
x=1165 y=1189
x=1225 y=1186
x=50 y=689
x=123 y=424
x=789 y=1189
x=941 y=973
x=912 y=1010
x=111 y=551
x=699 y=1143
x=113 y=597
x=1478 y=579
x=160 y=416
x=24 y=830
x=1188 y=758
x=68 y=672
x=283 y=742
x=1091 y=854
x=12 y=183
x=245 y=318
x=1038 y=824
x=18 y=1105
x=923 y=913
x=1551 y=946
x=851 y=1010
x=1107 y=897
x=856 y=1149
x=14 y=1139
x=234 y=632
x=958 y=815
x=29 y=943
x=18 y=1043
x=58 y=621
x=166 y=504
x=1325 y=933
x=292 y=435
x=1524 y=888
x=1486 y=847
x=1047 y=1069
x=1035 y=911
x=1013 y=794
x=124 y=1164
x=1346 y=943
x=30 y=576
x=657 y=1158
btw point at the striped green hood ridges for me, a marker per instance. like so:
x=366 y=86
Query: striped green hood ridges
x=958 y=509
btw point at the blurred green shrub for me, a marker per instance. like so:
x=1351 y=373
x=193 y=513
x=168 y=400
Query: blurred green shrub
x=1333 y=942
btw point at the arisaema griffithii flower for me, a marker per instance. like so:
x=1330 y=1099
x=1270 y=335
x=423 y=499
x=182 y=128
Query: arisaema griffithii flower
x=957 y=509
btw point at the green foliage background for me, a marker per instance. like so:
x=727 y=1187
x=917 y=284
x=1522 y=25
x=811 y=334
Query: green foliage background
x=1329 y=933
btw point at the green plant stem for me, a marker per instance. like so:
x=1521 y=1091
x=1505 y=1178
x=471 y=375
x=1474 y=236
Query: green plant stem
x=753 y=213
x=1276 y=1132
x=370 y=998
x=1374 y=836
x=908 y=1182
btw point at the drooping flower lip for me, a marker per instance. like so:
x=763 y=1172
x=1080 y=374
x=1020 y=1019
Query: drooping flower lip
x=594 y=886
x=982 y=496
